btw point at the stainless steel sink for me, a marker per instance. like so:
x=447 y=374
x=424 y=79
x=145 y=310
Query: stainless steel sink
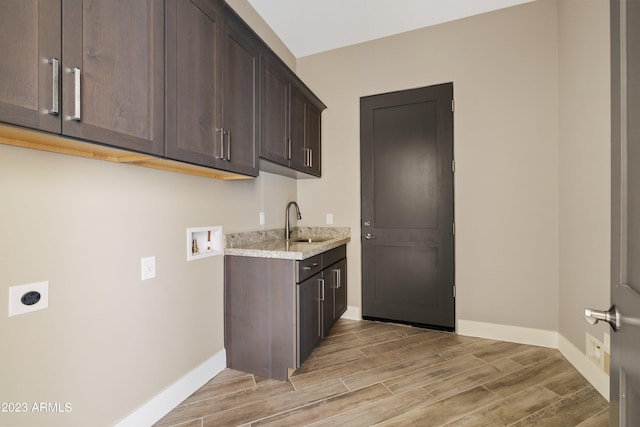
x=309 y=240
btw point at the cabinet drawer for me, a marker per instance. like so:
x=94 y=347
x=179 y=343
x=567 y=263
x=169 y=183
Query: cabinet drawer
x=334 y=255
x=308 y=267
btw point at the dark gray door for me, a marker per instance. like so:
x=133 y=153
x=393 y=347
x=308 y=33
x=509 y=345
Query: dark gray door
x=625 y=212
x=406 y=141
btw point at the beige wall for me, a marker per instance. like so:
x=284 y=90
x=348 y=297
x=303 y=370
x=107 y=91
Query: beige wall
x=585 y=134
x=109 y=342
x=504 y=66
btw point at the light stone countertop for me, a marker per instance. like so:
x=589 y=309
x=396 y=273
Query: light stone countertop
x=271 y=243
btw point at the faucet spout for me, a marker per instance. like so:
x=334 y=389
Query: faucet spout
x=287 y=223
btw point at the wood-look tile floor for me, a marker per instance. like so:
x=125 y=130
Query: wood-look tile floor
x=369 y=373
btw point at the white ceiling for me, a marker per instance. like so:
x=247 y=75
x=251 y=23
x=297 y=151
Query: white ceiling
x=311 y=26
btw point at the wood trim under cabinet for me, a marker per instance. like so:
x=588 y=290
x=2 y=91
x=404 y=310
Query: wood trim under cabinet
x=19 y=137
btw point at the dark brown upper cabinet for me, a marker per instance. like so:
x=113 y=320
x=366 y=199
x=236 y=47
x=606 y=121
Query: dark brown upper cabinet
x=181 y=80
x=91 y=70
x=240 y=107
x=31 y=51
x=113 y=73
x=290 y=121
x=212 y=88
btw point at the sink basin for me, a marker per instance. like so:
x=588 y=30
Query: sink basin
x=309 y=240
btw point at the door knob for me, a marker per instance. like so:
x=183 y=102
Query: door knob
x=369 y=236
x=612 y=317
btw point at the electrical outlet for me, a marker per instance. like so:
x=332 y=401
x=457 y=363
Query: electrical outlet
x=329 y=219
x=595 y=351
x=262 y=220
x=148 y=268
x=28 y=298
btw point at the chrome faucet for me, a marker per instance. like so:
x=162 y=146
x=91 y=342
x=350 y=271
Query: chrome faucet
x=287 y=223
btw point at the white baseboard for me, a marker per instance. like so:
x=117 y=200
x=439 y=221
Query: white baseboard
x=165 y=401
x=550 y=339
x=352 y=313
x=598 y=379
x=515 y=334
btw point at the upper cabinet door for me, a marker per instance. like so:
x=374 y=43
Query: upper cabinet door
x=30 y=48
x=240 y=98
x=274 y=110
x=312 y=139
x=298 y=158
x=113 y=72
x=305 y=133
x=194 y=82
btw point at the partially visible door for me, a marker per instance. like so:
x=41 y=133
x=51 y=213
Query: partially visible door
x=625 y=212
x=30 y=48
x=407 y=206
x=113 y=73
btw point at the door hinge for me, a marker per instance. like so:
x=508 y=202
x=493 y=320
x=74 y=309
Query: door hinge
x=453 y=165
x=454 y=228
x=454 y=291
x=453 y=105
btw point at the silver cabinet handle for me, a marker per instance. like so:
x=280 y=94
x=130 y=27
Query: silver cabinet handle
x=369 y=236
x=310 y=267
x=310 y=155
x=228 y=145
x=55 y=77
x=221 y=157
x=336 y=273
x=320 y=299
x=288 y=148
x=77 y=96
x=611 y=316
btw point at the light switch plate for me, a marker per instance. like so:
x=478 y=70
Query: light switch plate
x=16 y=294
x=148 y=268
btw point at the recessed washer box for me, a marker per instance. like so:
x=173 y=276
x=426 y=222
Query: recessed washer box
x=203 y=242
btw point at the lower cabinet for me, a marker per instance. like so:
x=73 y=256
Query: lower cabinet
x=277 y=311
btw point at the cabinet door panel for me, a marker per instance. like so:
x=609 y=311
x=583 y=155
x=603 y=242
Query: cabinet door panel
x=118 y=45
x=340 y=290
x=30 y=36
x=298 y=153
x=274 y=99
x=312 y=138
x=240 y=113
x=327 y=296
x=309 y=317
x=194 y=83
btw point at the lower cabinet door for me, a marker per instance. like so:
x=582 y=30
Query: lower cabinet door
x=309 y=316
x=327 y=296
x=339 y=272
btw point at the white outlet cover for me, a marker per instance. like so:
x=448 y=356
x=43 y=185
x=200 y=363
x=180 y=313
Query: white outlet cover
x=17 y=292
x=148 y=268
x=262 y=219
x=329 y=219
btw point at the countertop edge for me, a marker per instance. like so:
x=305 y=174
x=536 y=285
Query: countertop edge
x=308 y=250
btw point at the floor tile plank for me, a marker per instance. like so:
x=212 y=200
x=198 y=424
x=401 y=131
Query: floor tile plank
x=372 y=373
